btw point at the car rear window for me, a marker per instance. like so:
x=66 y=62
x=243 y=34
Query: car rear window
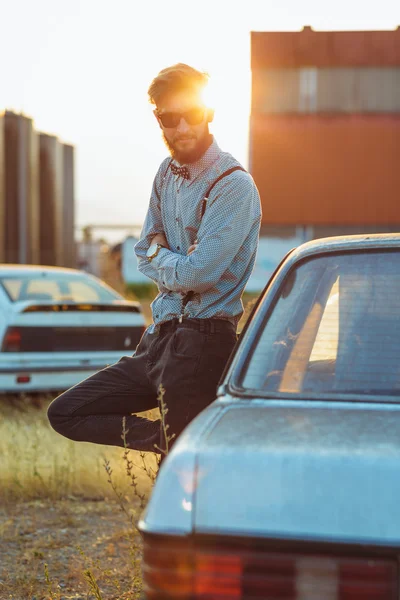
x=334 y=328
x=49 y=287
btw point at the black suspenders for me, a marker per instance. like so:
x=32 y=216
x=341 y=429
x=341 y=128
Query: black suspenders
x=190 y=295
x=208 y=192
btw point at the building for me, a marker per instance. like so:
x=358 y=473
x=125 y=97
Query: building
x=325 y=132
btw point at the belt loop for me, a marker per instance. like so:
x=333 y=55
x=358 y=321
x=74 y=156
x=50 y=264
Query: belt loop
x=202 y=326
x=212 y=326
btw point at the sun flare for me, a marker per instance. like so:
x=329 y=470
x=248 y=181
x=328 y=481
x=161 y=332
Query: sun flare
x=228 y=93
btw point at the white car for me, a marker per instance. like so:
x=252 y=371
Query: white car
x=59 y=326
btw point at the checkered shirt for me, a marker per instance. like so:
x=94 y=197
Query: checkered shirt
x=218 y=270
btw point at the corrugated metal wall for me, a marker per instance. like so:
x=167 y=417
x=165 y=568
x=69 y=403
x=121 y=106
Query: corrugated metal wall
x=325 y=127
x=309 y=48
x=326 y=90
x=314 y=170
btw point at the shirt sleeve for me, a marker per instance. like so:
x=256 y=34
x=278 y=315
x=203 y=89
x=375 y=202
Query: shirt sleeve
x=228 y=220
x=152 y=225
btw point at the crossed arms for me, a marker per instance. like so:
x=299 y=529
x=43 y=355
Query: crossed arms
x=232 y=212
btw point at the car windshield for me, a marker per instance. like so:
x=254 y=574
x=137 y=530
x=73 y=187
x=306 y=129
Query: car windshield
x=54 y=287
x=334 y=329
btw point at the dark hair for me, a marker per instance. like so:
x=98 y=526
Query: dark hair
x=179 y=77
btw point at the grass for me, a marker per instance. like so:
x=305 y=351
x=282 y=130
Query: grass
x=39 y=463
x=68 y=511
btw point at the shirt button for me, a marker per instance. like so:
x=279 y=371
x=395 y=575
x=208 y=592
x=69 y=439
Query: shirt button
x=178 y=247
x=177 y=219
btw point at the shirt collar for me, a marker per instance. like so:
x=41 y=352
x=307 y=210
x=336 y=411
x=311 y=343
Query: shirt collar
x=212 y=153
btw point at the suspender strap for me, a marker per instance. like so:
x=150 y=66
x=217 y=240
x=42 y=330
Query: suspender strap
x=187 y=298
x=208 y=192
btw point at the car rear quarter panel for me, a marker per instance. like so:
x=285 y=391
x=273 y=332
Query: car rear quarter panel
x=170 y=510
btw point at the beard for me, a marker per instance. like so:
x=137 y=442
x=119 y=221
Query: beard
x=189 y=156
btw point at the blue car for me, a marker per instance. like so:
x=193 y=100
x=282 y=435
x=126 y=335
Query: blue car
x=288 y=485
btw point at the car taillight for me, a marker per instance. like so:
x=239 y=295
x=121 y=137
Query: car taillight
x=176 y=573
x=12 y=340
x=165 y=573
x=368 y=579
x=217 y=577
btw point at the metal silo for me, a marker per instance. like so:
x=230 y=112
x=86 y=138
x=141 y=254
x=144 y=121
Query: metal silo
x=2 y=188
x=21 y=190
x=69 y=206
x=51 y=200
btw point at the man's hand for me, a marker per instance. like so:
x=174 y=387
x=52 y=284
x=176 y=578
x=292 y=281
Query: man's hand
x=160 y=239
x=192 y=249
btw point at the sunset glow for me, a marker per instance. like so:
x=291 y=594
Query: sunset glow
x=83 y=70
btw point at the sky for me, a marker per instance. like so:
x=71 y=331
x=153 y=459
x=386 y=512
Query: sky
x=81 y=70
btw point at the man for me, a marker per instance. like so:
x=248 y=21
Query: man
x=200 y=252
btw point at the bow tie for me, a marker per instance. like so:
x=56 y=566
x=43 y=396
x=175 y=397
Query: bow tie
x=180 y=171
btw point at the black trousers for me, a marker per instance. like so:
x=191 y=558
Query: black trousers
x=186 y=358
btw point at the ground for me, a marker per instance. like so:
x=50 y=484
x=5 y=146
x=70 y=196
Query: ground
x=69 y=536
x=70 y=506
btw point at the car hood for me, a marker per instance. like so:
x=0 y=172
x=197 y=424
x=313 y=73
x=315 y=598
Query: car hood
x=290 y=470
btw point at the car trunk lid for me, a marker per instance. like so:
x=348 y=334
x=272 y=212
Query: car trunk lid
x=302 y=470
x=57 y=327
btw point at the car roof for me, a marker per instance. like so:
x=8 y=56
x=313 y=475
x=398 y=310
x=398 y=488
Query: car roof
x=8 y=269
x=345 y=243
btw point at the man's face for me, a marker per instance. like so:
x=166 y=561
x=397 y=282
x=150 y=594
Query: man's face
x=183 y=120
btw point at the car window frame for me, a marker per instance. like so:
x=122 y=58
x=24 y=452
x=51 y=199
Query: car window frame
x=225 y=374
x=239 y=362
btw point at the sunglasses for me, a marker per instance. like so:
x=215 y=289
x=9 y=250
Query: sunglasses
x=194 y=116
